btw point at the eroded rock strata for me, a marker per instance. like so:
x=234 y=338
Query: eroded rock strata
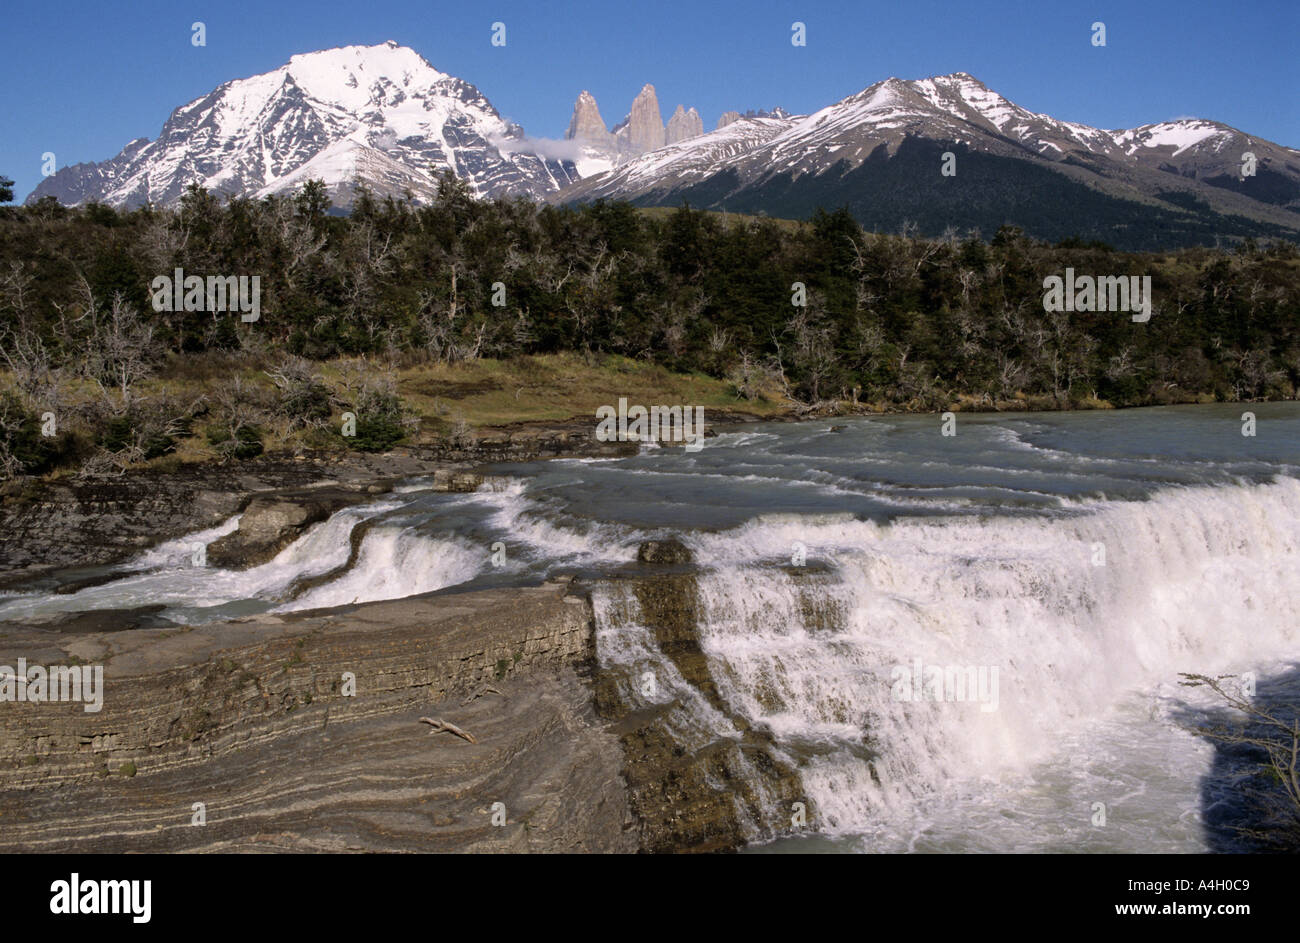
x=52 y=530
x=253 y=719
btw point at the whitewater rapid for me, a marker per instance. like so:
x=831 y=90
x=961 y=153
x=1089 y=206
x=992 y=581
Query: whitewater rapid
x=1079 y=570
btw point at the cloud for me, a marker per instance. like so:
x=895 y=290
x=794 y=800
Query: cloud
x=546 y=148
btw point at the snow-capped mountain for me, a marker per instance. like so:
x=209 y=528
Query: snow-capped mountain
x=381 y=113
x=880 y=152
x=384 y=115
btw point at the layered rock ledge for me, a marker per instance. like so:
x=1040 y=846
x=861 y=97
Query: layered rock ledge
x=51 y=529
x=252 y=719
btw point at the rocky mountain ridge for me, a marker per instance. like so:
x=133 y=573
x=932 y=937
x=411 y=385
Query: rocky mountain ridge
x=882 y=153
x=381 y=113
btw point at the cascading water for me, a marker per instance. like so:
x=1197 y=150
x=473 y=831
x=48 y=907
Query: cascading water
x=1069 y=567
x=169 y=576
x=1069 y=616
x=394 y=562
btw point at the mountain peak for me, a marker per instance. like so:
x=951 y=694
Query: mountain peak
x=586 y=124
x=381 y=112
x=384 y=58
x=642 y=130
x=645 y=125
x=749 y=161
x=683 y=125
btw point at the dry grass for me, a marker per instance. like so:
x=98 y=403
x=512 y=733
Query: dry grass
x=478 y=394
x=556 y=387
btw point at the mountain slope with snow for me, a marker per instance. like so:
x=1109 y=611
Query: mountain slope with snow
x=880 y=152
x=385 y=116
x=379 y=112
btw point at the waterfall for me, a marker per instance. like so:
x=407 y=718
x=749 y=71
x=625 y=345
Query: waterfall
x=1067 y=615
x=394 y=562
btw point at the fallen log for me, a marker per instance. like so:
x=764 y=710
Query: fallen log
x=487 y=689
x=439 y=725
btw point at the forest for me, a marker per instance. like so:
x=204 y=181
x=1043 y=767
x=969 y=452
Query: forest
x=819 y=314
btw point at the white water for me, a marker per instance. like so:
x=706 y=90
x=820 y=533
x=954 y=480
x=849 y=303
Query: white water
x=398 y=557
x=1197 y=580
x=172 y=579
x=394 y=562
x=972 y=552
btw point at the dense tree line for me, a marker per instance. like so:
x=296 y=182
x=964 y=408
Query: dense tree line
x=888 y=319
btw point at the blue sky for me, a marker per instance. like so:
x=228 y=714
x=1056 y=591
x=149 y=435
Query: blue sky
x=81 y=79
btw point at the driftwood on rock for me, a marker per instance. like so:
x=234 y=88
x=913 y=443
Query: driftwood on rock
x=439 y=725
x=486 y=689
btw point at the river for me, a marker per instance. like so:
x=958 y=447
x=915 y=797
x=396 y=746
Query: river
x=1075 y=563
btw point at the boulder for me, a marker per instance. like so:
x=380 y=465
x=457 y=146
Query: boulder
x=671 y=551
x=272 y=522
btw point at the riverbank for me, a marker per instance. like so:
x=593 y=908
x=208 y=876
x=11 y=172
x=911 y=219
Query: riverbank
x=241 y=410
x=308 y=732
x=54 y=524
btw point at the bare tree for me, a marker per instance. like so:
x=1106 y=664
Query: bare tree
x=12 y=419
x=163 y=241
x=1255 y=374
x=593 y=297
x=120 y=350
x=1272 y=788
x=15 y=291
x=27 y=358
x=752 y=377
x=444 y=336
x=106 y=464
x=1012 y=375
x=367 y=257
x=812 y=348
x=1121 y=366
x=238 y=407
x=305 y=400
x=297 y=236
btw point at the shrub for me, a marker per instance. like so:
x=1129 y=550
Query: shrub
x=23 y=449
x=380 y=417
x=239 y=409
x=244 y=442
x=305 y=400
x=124 y=433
